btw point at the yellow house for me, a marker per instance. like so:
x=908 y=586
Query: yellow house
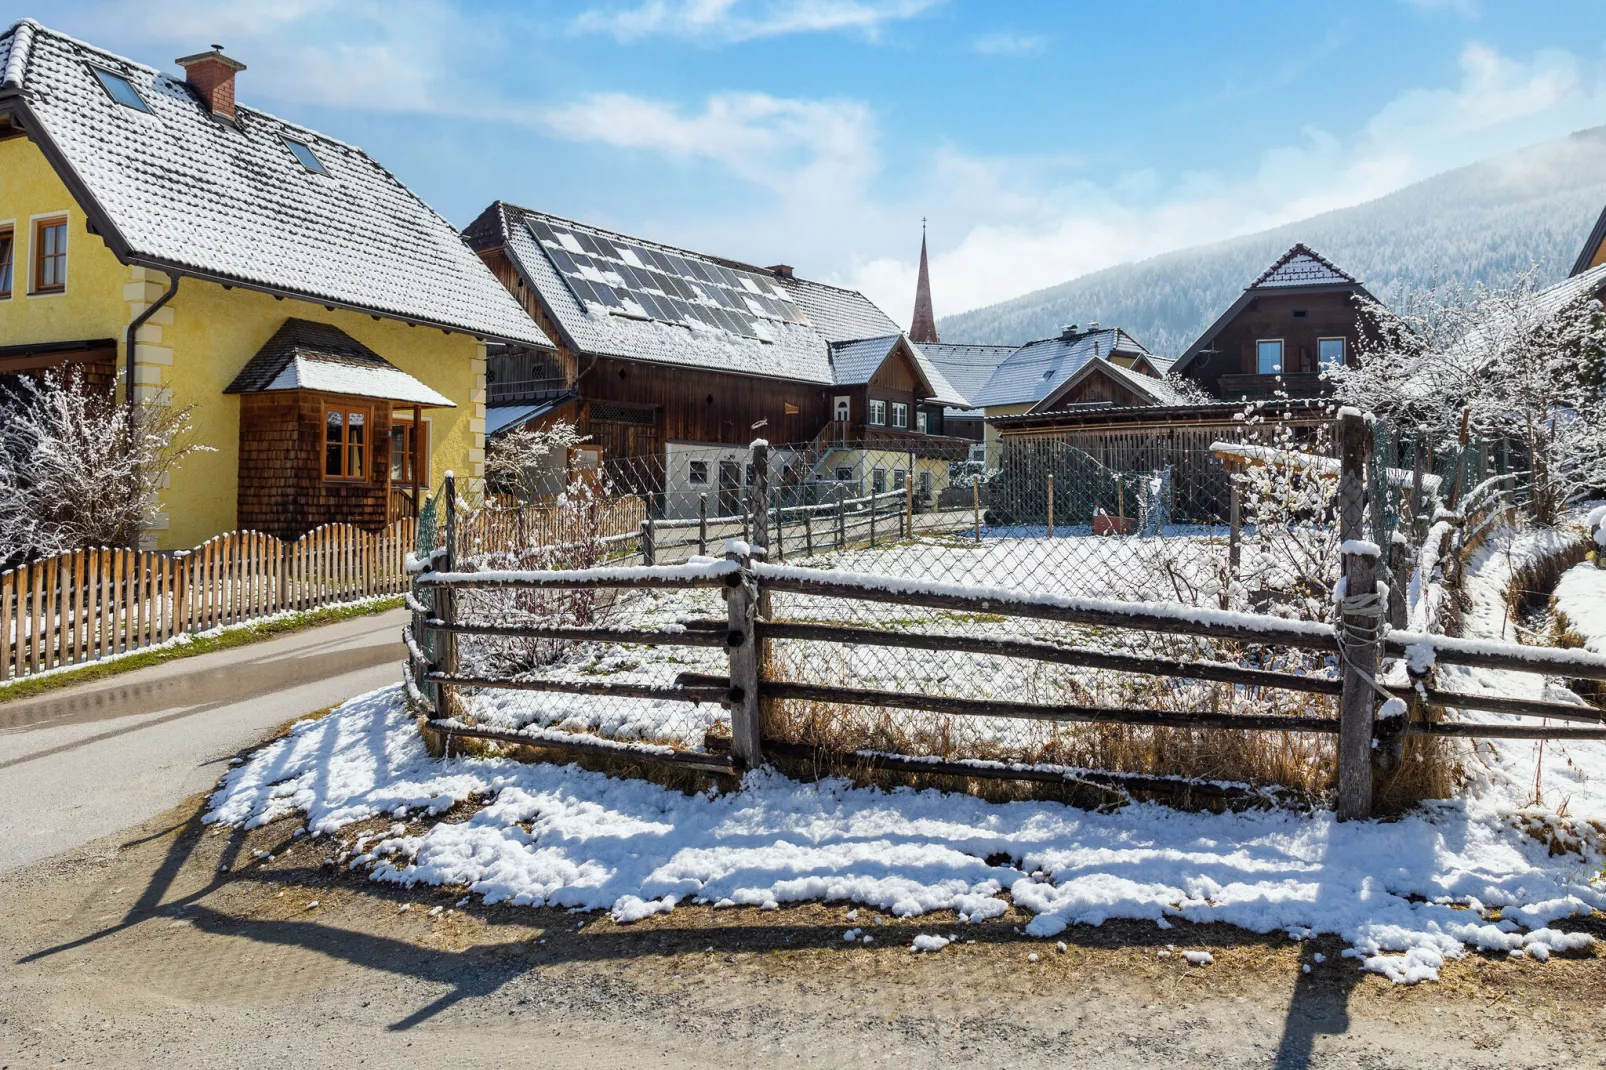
x=327 y=329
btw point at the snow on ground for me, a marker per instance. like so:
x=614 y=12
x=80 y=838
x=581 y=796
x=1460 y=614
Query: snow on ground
x=1566 y=776
x=1580 y=597
x=1405 y=894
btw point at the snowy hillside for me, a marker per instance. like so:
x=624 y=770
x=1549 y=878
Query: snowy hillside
x=1485 y=221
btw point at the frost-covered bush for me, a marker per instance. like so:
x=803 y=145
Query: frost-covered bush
x=79 y=470
x=530 y=463
x=1451 y=363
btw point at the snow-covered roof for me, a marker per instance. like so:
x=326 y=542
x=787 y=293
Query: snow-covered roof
x=1301 y=266
x=499 y=418
x=611 y=294
x=855 y=363
x=1037 y=369
x=1155 y=391
x=177 y=188
x=966 y=366
x=303 y=355
x=1555 y=298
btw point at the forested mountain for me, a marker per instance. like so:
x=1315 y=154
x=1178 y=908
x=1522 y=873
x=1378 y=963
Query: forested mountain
x=1486 y=221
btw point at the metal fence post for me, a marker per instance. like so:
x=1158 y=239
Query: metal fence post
x=702 y=524
x=975 y=504
x=842 y=523
x=648 y=550
x=1051 y=505
x=742 y=652
x=1360 y=620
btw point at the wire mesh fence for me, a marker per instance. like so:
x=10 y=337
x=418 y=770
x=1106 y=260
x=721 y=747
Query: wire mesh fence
x=1217 y=528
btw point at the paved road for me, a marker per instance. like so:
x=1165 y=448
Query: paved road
x=83 y=762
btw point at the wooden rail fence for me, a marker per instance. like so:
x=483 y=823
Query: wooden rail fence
x=86 y=605
x=1370 y=725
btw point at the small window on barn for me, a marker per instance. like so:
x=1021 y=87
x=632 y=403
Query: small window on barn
x=900 y=414
x=699 y=472
x=844 y=474
x=878 y=413
x=304 y=154
x=120 y=89
x=8 y=247
x=345 y=443
x=899 y=478
x=878 y=481
x=50 y=255
x=1269 y=356
x=1330 y=351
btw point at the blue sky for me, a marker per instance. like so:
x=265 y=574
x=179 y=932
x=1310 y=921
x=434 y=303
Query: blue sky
x=1042 y=140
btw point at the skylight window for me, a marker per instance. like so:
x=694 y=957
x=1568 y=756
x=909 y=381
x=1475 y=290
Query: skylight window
x=120 y=89
x=303 y=152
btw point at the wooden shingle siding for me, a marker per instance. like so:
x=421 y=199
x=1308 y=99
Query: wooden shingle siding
x=282 y=487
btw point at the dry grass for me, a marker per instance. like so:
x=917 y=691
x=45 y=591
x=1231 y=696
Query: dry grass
x=1302 y=763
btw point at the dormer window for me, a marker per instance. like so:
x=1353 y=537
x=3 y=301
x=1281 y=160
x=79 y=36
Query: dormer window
x=303 y=153
x=120 y=89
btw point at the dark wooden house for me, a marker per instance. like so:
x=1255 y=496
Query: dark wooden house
x=1299 y=315
x=663 y=352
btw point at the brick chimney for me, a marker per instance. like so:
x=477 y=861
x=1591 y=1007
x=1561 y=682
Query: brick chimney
x=211 y=74
x=781 y=270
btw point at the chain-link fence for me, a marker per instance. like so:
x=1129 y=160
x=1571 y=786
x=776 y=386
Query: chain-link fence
x=1219 y=528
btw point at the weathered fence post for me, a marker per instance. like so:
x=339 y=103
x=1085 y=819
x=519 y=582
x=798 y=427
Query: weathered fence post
x=873 y=504
x=702 y=524
x=842 y=523
x=1360 y=615
x=443 y=601
x=1051 y=505
x=761 y=519
x=649 y=552
x=742 y=651
x=1419 y=520
x=975 y=504
x=1399 y=576
x=909 y=505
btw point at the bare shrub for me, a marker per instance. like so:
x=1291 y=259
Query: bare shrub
x=79 y=470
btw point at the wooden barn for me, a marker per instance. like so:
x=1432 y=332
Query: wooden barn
x=673 y=361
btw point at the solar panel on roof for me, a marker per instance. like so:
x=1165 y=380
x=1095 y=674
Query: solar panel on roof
x=606 y=295
x=560 y=256
x=542 y=232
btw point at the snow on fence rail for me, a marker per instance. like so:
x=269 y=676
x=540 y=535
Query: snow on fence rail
x=1373 y=727
x=86 y=605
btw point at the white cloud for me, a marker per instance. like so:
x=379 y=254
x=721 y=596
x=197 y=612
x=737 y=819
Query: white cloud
x=1009 y=44
x=732 y=21
x=1037 y=229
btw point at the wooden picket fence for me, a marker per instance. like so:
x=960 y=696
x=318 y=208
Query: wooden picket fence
x=498 y=526
x=85 y=605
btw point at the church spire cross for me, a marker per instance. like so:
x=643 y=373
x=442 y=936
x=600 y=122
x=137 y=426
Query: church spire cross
x=923 y=325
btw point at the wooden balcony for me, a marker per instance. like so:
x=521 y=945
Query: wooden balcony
x=1303 y=385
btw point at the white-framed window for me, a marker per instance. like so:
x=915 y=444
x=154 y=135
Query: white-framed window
x=900 y=478
x=878 y=412
x=878 y=480
x=900 y=414
x=844 y=409
x=1330 y=352
x=1269 y=356
x=698 y=473
x=844 y=474
x=924 y=482
x=922 y=421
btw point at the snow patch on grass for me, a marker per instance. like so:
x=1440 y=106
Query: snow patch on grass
x=1406 y=894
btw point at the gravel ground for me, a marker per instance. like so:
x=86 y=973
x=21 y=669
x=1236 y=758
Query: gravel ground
x=176 y=946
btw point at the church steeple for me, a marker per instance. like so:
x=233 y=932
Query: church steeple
x=923 y=327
